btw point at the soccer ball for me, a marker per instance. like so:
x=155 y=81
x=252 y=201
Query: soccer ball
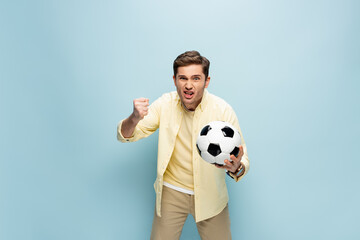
x=217 y=141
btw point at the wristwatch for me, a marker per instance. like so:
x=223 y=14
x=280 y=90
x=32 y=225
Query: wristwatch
x=234 y=173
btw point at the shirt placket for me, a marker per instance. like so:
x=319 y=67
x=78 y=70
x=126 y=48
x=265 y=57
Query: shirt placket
x=195 y=161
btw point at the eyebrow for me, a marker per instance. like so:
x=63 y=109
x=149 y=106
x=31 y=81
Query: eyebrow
x=196 y=75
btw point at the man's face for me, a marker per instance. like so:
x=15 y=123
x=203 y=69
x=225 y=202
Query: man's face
x=190 y=84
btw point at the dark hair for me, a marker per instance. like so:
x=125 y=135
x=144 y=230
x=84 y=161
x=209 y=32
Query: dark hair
x=189 y=58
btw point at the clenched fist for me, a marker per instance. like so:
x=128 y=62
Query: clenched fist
x=141 y=107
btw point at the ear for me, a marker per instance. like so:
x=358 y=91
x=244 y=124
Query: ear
x=174 y=80
x=207 y=81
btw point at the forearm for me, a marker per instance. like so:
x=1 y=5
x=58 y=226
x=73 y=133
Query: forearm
x=128 y=126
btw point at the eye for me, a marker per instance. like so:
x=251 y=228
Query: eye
x=196 y=78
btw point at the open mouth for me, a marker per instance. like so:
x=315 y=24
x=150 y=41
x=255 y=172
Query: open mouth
x=188 y=94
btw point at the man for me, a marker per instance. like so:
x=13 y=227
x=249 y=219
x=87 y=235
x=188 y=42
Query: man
x=185 y=183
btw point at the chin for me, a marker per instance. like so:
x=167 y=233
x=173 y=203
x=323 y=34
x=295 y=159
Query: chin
x=189 y=106
x=188 y=103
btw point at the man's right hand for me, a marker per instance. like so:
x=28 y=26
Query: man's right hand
x=141 y=107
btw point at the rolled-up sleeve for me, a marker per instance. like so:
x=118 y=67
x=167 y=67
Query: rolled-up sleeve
x=232 y=119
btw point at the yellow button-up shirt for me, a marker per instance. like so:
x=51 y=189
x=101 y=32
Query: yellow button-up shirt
x=165 y=114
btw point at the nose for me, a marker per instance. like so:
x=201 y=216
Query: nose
x=188 y=85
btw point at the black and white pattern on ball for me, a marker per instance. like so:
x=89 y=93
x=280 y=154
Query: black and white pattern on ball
x=217 y=141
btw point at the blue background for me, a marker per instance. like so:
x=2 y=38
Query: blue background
x=69 y=71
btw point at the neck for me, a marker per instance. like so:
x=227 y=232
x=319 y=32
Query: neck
x=189 y=110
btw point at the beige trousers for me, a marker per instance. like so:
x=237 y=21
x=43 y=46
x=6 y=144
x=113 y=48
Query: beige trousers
x=175 y=207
